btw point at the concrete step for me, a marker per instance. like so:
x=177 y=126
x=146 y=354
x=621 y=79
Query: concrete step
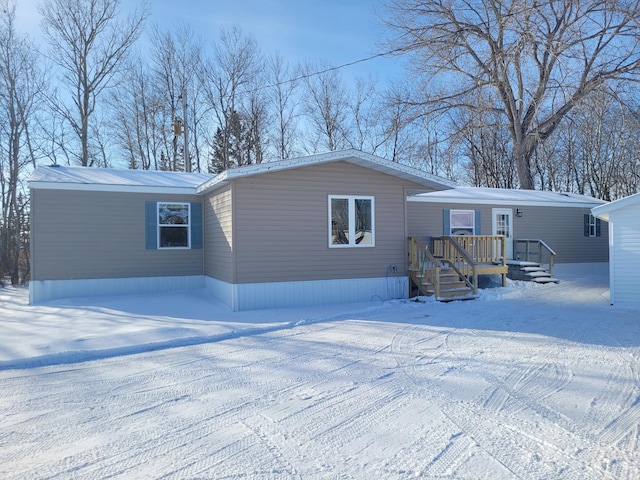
x=546 y=280
x=521 y=263
x=532 y=269
x=538 y=274
x=529 y=272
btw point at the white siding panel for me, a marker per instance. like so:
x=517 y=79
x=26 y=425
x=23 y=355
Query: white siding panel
x=46 y=290
x=626 y=255
x=256 y=296
x=222 y=291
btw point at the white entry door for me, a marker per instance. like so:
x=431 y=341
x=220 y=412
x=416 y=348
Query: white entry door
x=503 y=225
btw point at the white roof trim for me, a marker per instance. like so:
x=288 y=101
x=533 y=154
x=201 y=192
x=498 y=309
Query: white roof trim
x=506 y=197
x=149 y=181
x=113 y=188
x=352 y=156
x=603 y=211
x=115 y=180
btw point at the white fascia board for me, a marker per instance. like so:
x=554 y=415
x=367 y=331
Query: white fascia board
x=250 y=170
x=602 y=211
x=596 y=212
x=112 y=188
x=484 y=201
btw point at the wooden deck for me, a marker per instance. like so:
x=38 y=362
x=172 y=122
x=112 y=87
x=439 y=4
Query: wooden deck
x=448 y=266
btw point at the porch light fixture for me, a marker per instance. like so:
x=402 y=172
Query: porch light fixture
x=518 y=212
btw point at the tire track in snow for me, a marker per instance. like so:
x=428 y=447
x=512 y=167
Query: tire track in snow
x=148 y=402
x=456 y=447
x=507 y=442
x=281 y=449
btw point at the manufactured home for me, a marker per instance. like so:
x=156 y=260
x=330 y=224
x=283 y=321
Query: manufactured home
x=623 y=217
x=331 y=228
x=322 y=229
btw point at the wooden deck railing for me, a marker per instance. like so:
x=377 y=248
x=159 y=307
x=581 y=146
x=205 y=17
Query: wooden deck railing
x=489 y=249
x=423 y=266
x=457 y=257
x=448 y=254
x=534 y=250
x=469 y=256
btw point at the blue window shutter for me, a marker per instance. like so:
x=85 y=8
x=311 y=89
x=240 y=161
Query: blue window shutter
x=598 y=227
x=478 y=230
x=446 y=222
x=586 y=225
x=151 y=225
x=196 y=225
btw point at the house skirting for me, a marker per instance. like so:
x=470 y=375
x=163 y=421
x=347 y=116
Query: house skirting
x=238 y=297
x=46 y=290
x=258 y=296
x=592 y=268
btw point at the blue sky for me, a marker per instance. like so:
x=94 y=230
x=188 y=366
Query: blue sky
x=338 y=31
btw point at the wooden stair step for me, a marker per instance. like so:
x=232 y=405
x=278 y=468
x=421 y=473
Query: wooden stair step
x=457 y=299
x=454 y=291
x=447 y=288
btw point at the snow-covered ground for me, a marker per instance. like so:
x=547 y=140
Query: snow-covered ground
x=527 y=382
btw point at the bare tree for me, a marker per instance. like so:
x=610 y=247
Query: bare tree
x=22 y=84
x=398 y=114
x=176 y=57
x=89 y=43
x=484 y=145
x=227 y=81
x=535 y=59
x=597 y=149
x=555 y=168
x=285 y=104
x=257 y=121
x=366 y=112
x=136 y=120
x=326 y=106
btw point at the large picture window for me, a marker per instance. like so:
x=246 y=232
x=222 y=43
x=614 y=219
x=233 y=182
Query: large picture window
x=173 y=225
x=351 y=221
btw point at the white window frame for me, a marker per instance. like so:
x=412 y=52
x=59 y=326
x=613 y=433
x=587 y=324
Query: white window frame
x=352 y=221
x=473 y=221
x=165 y=225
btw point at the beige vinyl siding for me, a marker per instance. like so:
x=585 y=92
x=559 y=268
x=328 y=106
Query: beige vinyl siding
x=91 y=235
x=218 y=233
x=281 y=224
x=562 y=228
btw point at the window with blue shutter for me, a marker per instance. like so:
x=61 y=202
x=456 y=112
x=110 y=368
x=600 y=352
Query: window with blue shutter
x=173 y=225
x=591 y=226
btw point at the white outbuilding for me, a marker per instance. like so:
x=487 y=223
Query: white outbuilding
x=624 y=248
